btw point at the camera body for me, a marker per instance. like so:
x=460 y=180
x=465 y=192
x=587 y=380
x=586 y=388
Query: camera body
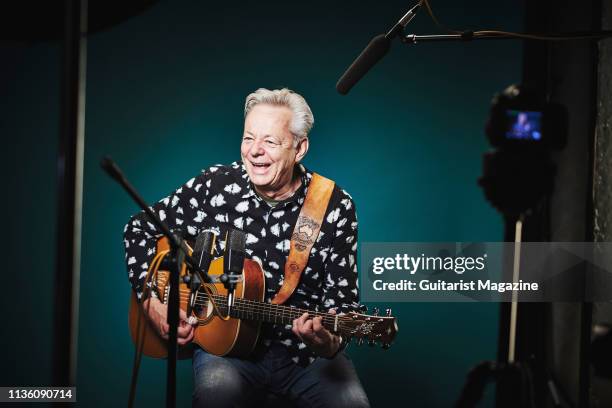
x=520 y=119
x=524 y=131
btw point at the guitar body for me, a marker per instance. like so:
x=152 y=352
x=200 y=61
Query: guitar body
x=233 y=337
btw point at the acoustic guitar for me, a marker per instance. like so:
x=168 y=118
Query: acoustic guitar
x=238 y=335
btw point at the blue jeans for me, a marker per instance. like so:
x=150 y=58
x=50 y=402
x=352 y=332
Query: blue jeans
x=234 y=382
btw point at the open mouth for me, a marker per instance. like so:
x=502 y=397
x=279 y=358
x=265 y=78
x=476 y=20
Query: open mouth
x=260 y=165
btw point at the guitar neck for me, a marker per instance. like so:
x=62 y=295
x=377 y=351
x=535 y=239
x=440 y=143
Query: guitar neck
x=270 y=313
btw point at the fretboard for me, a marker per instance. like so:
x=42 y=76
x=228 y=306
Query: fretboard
x=270 y=313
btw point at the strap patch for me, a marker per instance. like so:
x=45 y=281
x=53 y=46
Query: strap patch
x=304 y=232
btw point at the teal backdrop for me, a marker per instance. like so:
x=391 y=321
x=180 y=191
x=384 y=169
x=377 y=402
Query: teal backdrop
x=165 y=92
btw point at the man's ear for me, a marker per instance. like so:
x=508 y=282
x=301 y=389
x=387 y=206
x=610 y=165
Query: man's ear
x=301 y=150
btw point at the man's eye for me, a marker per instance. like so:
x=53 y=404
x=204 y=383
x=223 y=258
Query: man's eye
x=247 y=139
x=272 y=143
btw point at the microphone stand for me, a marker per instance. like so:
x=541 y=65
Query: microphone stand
x=465 y=36
x=179 y=254
x=470 y=35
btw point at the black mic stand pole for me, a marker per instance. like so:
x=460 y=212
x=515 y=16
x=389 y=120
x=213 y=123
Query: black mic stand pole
x=470 y=35
x=465 y=36
x=179 y=253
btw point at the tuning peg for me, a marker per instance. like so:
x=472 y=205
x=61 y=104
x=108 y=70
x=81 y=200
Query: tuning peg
x=385 y=346
x=388 y=312
x=360 y=341
x=365 y=309
x=186 y=279
x=375 y=311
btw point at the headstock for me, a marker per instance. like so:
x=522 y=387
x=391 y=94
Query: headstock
x=371 y=328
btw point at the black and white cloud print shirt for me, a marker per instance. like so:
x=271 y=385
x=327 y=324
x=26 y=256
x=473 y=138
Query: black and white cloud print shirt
x=222 y=197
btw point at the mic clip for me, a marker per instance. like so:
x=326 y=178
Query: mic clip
x=403 y=22
x=230 y=280
x=194 y=283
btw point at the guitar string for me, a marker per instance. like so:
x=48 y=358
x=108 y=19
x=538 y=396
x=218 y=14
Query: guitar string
x=261 y=307
x=256 y=306
x=253 y=307
x=272 y=312
x=247 y=306
x=269 y=309
x=287 y=314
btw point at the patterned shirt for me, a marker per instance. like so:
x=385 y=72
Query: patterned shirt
x=223 y=197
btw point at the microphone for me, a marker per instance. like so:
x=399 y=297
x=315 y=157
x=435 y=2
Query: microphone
x=202 y=253
x=203 y=249
x=376 y=49
x=233 y=263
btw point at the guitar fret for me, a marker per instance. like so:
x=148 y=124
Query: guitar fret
x=375 y=328
x=268 y=312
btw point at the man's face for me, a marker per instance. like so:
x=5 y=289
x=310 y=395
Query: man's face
x=268 y=150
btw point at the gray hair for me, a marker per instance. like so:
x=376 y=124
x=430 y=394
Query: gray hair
x=302 y=120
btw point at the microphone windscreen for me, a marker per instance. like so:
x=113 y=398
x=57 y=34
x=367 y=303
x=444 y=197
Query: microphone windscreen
x=376 y=49
x=236 y=240
x=203 y=245
x=235 y=249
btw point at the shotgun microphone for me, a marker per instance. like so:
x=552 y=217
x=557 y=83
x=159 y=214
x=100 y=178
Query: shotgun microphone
x=376 y=49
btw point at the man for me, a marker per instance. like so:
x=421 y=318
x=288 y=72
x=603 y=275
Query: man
x=262 y=195
x=521 y=129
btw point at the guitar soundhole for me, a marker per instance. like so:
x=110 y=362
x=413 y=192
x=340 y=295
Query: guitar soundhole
x=204 y=310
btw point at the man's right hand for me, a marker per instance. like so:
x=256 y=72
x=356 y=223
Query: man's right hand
x=157 y=312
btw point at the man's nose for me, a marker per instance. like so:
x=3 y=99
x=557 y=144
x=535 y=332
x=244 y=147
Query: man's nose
x=257 y=148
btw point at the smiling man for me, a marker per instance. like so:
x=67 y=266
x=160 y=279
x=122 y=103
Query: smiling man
x=263 y=195
x=270 y=151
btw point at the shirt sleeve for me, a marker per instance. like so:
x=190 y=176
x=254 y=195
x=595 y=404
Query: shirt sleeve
x=182 y=211
x=340 y=289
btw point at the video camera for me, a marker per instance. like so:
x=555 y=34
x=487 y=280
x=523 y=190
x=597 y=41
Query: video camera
x=524 y=129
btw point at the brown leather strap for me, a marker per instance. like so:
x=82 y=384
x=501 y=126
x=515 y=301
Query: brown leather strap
x=305 y=234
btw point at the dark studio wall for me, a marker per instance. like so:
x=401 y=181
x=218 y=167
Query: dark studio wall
x=601 y=388
x=165 y=91
x=576 y=74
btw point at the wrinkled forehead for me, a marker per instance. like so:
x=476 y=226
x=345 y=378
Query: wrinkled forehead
x=268 y=120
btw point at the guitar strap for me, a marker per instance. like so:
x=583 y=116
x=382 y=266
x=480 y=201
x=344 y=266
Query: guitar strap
x=305 y=234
